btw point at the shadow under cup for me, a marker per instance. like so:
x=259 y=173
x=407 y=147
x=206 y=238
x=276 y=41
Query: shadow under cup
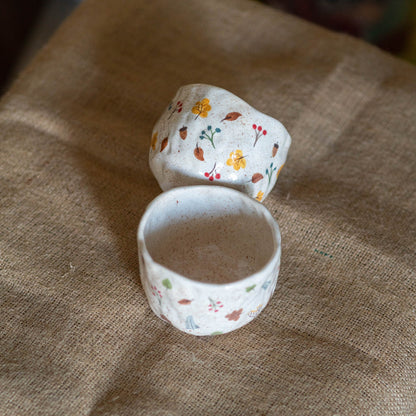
x=206 y=251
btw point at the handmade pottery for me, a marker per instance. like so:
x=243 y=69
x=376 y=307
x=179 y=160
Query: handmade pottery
x=209 y=258
x=208 y=135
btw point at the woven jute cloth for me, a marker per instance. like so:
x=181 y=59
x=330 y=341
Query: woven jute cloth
x=77 y=335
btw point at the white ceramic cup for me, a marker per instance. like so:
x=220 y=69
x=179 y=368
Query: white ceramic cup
x=208 y=135
x=209 y=258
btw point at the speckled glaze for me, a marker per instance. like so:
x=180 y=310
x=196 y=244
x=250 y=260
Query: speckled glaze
x=209 y=258
x=207 y=135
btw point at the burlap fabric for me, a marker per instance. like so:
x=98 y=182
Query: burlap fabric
x=77 y=335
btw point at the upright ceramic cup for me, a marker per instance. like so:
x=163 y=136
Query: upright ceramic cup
x=209 y=258
x=208 y=135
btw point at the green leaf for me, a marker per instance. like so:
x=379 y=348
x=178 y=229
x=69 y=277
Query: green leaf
x=167 y=284
x=250 y=288
x=217 y=333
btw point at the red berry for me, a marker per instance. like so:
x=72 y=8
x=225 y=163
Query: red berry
x=264 y=132
x=218 y=302
x=180 y=110
x=217 y=176
x=206 y=174
x=178 y=103
x=211 y=178
x=259 y=128
x=254 y=126
x=216 y=310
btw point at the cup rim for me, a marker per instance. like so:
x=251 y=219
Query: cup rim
x=274 y=228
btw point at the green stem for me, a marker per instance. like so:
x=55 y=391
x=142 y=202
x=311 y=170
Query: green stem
x=211 y=139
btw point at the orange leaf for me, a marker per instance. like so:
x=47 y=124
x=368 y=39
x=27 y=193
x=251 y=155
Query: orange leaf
x=199 y=153
x=184 y=302
x=231 y=116
x=164 y=143
x=256 y=177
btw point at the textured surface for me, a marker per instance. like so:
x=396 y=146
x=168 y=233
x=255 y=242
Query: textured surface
x=77 y=335
x=210 y=235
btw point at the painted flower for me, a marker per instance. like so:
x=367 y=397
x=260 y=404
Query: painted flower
x=156 y=292
x=201 y=108
x=237 y=160
x=235 y=315
x=255 y=312
x=259 y=196
x=215 y=305
x=154 y=141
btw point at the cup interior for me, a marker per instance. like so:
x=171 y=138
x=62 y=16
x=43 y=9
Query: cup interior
x=209 y=234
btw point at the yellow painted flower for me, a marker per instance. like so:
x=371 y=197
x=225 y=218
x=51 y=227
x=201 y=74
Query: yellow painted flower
x=259 y=196
x=237 y=160
x=201 y=108
x=154 y=141
x=280 y=169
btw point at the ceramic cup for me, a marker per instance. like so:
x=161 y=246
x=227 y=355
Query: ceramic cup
x=209 y=258
x=207 y=135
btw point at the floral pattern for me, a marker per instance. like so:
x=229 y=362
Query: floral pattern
x=213 y=173
x=234 y=315
x=269 y=172
x=237 y=160
x=156 y=292
x=201 y=108
x=259 y=196
x=259 y=132
x=255 y=312
x=177 y=108
x=209 y=134
x=214 y=305
x=213 y=129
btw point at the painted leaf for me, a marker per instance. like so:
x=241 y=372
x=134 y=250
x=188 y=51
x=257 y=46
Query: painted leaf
x=275 y=149
x=231 y=116
x=183 y=132
x=199 y=153
x=250 y=288
x=164 y=143
x=167 y=284
x=184 y=302
x=217 y=333
x=256 y=177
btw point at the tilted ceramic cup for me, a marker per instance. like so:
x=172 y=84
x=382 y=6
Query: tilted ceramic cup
x=207 y=135
x=209 y=258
